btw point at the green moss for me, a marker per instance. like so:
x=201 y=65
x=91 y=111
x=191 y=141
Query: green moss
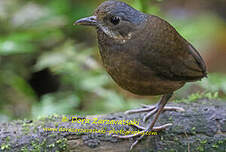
x=35 y=131
x=203 y=141
x=196 y=96
x=25 y=131
x=7 y=139
x=193 y=130
x=24 y=149
x=56 y=124
x=36 y=146
x=51 y=145
x=172 y=150
x=43 y=144
x=26 y=128
x=62 y=143
x=5 y=146
x=176 y=139
x=220 y=142
x=215 y=146
x=53 y=135
x=35 y=128
x=165 y=148
x=170 y=118
x=200 y=148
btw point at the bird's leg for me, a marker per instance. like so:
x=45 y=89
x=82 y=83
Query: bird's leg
x=153 y=110
x=150 y=126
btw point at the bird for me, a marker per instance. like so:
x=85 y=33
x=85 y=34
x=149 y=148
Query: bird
x=145 y=55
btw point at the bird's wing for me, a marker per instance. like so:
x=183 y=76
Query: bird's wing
x=170 y=55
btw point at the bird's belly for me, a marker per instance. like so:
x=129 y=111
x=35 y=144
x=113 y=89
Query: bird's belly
x=130 y=74
x=139 y=79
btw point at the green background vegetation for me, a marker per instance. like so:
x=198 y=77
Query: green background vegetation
x=49 y=66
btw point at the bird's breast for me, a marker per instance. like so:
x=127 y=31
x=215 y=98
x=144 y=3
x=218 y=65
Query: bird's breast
x=121 y=63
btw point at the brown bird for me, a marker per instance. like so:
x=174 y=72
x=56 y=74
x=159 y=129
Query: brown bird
x=145 y=55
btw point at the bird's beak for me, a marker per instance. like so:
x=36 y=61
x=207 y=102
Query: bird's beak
x=88 y=21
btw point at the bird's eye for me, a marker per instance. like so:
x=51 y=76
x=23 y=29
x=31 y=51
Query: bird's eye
x=115 y=20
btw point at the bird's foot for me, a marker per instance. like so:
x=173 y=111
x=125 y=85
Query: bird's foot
x=142 y=133
x=153 y=110
x=150 y=126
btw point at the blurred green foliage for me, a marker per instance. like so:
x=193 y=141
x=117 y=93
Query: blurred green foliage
x=196 y=96
x=36 y=35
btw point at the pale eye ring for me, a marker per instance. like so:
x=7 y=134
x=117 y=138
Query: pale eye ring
x=115 y=20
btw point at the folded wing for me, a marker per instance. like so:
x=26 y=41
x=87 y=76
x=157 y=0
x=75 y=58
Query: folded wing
x=170 y=55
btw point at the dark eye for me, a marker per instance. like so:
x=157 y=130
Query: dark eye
x=115 y=20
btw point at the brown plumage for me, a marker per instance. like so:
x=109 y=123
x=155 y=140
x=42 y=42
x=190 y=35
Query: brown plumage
x=144 y=54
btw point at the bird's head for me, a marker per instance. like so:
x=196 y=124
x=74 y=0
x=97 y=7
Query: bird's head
x=116 y=19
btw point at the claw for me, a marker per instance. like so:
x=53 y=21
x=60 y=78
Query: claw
x=162 y=127
x=151 y=111
x=136 y=142
x=178 y=109
x=137 y=126
x=149 y=114
x=140 y=110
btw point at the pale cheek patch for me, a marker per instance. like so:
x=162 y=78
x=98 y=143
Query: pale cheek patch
x=108 y=32
x=115 y=35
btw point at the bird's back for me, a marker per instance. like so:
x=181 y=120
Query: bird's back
x=169 y=54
